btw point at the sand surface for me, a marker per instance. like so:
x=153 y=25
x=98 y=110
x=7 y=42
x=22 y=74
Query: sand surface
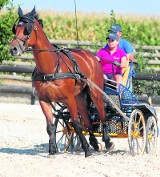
x=24 y=149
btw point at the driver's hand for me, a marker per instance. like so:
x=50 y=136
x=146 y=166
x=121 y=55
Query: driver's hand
x=116 y=63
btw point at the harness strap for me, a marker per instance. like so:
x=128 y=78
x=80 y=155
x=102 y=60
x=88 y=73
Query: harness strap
x=56 y=76
x=68 y=54
x=64 y=75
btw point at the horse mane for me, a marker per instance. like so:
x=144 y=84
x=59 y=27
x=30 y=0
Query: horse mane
x=40 y=21
x=36 y=16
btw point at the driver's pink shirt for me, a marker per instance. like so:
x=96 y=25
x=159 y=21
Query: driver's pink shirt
x=107 y=58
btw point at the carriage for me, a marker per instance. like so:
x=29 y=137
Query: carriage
x=70 y=87
x=126 y=116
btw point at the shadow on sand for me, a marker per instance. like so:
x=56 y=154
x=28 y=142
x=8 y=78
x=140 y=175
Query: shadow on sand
x=42 y=148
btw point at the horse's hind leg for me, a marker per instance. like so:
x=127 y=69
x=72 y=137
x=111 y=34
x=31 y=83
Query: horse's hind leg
x=82 y=108
x=72 y=106
x=47 y=110
x=97 y=99
x=106 y=139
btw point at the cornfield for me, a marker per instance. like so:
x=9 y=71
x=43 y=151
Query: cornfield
x=139 y=30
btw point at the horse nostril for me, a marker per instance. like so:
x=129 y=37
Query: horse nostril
x=13 y=51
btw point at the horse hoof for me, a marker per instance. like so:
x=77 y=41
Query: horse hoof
x=50 y=156
x=110 y=146
x=88 y=153
x=95 y=146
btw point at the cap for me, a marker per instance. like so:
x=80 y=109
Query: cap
x=113 y=36
x=115 y=28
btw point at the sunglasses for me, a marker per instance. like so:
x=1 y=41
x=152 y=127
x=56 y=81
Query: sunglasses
x=110 y=40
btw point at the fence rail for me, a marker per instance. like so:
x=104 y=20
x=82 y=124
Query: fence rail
x=145 y=51
x=151 y=52
x=29 y=69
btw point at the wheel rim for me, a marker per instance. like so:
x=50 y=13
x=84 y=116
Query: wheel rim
x=151 y=135
x=137 y=133
x=59 y=135
x=65 y=141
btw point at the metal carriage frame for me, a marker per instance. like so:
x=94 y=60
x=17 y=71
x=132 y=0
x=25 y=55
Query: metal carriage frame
x=142 y=125
x=126 y=117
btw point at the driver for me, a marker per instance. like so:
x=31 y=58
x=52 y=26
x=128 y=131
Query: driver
x=113 y=59
x=128 y=48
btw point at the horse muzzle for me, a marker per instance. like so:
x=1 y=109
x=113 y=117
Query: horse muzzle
x=16 y=51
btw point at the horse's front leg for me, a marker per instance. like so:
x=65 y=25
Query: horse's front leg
x=72 y=106
x=47 y=110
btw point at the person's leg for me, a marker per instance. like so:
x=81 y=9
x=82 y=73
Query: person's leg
x=105 y=76
x=118 y=79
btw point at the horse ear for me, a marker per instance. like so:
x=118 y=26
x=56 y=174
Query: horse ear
x=20 y=12
x=33 y=12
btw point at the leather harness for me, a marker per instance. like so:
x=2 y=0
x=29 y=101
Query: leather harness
x=63 y=75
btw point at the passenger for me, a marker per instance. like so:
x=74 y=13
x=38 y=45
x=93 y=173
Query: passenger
x=113 y=59
x=123 y=44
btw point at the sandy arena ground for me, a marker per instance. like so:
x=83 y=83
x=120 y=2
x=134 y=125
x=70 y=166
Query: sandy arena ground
x=24 y=147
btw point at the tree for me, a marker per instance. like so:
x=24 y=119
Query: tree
x=6 y=23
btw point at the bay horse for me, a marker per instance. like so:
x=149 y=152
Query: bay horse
x=59 y=77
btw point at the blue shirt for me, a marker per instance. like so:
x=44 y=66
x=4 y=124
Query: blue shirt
x=124 y=45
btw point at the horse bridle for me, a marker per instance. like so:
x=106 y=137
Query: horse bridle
x=30 y=26
x=29 y=29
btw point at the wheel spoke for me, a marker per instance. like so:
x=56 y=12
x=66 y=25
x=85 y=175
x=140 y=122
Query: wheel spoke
x=136 y=132
x=151 y=135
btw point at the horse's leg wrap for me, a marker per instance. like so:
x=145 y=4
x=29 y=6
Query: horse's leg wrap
x=106 y=138
x=78 y=129
x=52 y=143
x=93 y=141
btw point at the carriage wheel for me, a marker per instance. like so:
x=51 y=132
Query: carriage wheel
x=151 y=135
x=65 y=140
x=137 y=132
x=59 y=135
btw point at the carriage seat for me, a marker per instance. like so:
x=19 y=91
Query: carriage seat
x=125 y=75
x=128 y=73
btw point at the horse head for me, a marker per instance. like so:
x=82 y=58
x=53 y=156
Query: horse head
x=25 y=31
